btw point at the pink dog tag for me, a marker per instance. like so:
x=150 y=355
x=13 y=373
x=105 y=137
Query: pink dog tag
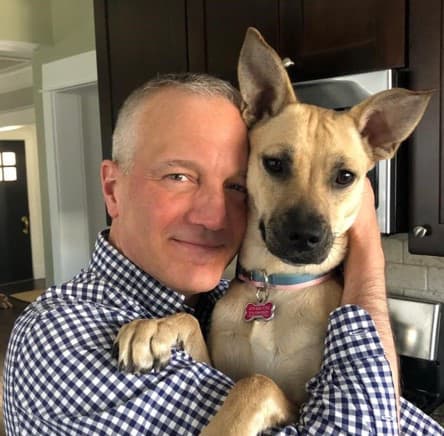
x=261 y=311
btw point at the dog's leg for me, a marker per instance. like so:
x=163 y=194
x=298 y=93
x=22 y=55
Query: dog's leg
x=145 y=344
x=254 y=404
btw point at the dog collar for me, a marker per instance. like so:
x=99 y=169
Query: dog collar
x=260 y=279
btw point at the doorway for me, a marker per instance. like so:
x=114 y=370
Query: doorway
x=73 y=156
x=15 y=252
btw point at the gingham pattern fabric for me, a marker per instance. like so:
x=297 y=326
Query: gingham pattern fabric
x=61 y=379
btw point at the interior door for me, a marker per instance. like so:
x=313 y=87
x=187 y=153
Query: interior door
x=15 y=245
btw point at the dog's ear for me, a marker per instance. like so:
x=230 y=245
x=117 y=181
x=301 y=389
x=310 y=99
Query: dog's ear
x=386 y=119
x=263 y=80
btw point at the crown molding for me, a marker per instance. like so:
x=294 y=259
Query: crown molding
x=17 y=79
x=18 y=49
x=70 y=72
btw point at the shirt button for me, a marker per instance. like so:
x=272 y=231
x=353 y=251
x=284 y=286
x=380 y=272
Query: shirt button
x=358 y=332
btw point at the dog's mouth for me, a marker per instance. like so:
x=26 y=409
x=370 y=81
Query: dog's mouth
x=297 y=238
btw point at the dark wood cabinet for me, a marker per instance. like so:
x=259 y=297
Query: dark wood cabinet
x=355 y=38
x=137 y=39
x=331 y=38
x=223 y=26
x=426 y=71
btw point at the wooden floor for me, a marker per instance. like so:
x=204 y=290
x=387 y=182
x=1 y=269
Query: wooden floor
x=7 y=319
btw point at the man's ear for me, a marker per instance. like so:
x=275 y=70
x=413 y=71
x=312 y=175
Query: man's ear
x=386 y=119
x=109 y=172
x=263 y=81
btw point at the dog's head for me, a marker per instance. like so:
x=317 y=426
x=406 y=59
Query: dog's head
x=308 y=164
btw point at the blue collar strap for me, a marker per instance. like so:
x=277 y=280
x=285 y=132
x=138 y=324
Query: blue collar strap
x=258 y=276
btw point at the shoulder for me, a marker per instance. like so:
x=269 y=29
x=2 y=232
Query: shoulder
x=84 y=312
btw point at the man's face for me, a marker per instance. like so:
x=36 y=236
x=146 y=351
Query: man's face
x=180 y=213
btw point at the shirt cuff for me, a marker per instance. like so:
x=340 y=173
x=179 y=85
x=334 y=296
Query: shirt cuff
x=351 y=335
x=353 y=393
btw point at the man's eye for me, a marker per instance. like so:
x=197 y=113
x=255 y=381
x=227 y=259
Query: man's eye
x=178 y=177
x=238 y=187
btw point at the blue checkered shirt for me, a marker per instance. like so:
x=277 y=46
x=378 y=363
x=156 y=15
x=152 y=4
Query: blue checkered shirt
x=61 y=379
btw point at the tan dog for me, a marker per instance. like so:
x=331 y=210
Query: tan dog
x=305 y=180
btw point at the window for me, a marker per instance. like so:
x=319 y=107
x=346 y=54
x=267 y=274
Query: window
x=8 y=169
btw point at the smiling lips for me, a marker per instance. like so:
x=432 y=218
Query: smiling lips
x=199 y=245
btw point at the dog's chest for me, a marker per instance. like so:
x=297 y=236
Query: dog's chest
x=287 y=331
x=287 y=348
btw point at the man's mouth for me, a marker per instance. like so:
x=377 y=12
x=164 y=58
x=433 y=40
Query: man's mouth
x=203 y=245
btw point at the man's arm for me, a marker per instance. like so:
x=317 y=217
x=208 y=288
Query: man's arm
x=364 y=277
x=62 y=380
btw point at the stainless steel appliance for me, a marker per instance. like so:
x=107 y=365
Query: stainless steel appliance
x=418 y=327
x=389 y=178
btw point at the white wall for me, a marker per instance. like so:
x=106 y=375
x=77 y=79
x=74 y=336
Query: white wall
x=28 y=134
x=412 y=275
x=73 y=156
x=93 y=158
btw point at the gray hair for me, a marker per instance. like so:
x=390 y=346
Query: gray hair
x=200 y=84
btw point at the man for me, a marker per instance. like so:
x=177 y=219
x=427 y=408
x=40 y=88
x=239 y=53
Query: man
x=175 y=191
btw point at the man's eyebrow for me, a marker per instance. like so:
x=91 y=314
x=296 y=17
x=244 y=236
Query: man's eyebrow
x=184 y=163
x=189 y=164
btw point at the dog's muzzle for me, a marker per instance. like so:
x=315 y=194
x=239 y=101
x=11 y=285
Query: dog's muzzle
x=297 y=237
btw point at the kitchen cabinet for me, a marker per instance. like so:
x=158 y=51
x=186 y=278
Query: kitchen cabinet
x=135 y=41
x=328 y=38
x=426 y=71
x=323 y=38
x=218 y=29
x=138 y=39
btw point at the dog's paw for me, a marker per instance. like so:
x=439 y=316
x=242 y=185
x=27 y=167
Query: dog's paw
x=254 y=404
x=269 y=404
x=145 y=344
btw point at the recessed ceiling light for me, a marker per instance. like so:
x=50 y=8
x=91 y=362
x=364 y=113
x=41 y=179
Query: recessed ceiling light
x=9 y=128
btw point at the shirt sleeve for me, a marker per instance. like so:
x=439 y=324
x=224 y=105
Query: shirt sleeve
x=62 y=380
x=353 y=394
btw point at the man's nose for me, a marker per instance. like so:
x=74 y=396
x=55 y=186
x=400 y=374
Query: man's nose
x=208 y=209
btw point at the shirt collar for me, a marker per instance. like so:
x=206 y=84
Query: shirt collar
x=159 y=300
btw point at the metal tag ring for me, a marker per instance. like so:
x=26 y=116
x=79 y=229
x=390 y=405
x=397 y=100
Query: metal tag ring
x=262 y=292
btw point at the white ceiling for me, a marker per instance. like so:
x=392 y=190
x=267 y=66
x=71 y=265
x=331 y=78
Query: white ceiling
x=15 y=59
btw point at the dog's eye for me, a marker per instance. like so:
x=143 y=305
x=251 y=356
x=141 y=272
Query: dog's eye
x=344 y=178
x=273 y=165
x=278 y=165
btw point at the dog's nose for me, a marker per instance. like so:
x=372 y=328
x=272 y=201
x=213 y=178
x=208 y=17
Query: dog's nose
x=298 y=236
x=306 y=239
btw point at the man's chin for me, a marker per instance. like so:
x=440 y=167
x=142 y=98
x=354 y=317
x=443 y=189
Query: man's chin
x=198 y=279
x=199 y=285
